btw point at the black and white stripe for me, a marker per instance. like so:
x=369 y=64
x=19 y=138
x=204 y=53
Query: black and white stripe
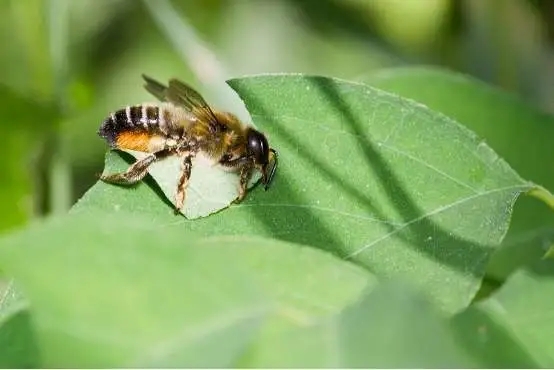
x=136 y=117
x=148 y=117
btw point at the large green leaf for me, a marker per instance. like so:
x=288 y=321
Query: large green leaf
x=377 y=179
x=517 y=131
x=520 y=133
x=118 y=290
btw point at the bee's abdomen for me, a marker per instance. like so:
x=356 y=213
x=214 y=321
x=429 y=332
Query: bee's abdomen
x=138 y=118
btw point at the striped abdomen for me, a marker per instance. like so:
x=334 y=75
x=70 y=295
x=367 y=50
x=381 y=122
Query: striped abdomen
x=140 y=127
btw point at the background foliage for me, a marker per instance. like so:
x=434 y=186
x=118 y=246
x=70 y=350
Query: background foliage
x=392 y=236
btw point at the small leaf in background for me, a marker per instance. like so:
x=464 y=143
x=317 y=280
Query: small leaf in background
x=116 y=290
x=524 y=306
x=372 y=177
x=490 y=341
x=410 y=333
x=25 y=120
x=11 y=298
x=519 y=132
x=389 y=327
x=18 y=348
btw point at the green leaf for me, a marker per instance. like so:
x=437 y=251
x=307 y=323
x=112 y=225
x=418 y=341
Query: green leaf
x=113 y=290
x=524 y=306
x=375 y=178
x=508 y=124
x=390 y=327
x=412 y=334
x=520 y=133
x=11 y=299
x=18 y=347
x=489 y=341
x=20 y=134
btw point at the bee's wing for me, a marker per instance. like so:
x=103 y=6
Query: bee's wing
x=182 y=95
x=155 y=88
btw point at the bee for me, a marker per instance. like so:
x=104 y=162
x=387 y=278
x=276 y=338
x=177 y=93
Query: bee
x=184 y=125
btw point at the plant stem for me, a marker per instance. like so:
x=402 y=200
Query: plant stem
x=60 y=168
x=198 y=55
x=543 y=194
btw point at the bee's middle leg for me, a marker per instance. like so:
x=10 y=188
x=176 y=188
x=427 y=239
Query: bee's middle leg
x=136 y=172
x=183 y=181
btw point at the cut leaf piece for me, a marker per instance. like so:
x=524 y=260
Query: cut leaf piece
x=210 y=188
x=375 y=178
x=114 y=290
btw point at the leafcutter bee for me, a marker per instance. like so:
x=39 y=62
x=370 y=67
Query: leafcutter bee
x=184 y=125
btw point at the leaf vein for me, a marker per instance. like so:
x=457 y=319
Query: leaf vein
x=428 y=165
x=432 y=213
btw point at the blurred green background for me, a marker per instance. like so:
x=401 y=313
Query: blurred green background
x=66 y=64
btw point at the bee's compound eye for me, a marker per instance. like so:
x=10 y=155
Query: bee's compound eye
x=258 y=147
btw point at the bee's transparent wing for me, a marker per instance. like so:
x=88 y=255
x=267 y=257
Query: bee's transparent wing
x=155 y=88
x=182 y=95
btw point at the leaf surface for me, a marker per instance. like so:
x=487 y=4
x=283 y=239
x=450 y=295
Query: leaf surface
x=115 y=290
x=374 y=178
x=519 y=132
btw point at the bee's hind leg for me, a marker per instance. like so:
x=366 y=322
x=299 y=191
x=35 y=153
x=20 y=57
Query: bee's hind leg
x=136 y=172
x=183 y=181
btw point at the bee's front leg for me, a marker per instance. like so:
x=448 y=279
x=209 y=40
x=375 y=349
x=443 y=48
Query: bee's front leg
x=245 y=175
x=136 y=172
x=186 y=170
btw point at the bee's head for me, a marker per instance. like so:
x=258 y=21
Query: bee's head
x=264 y=157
